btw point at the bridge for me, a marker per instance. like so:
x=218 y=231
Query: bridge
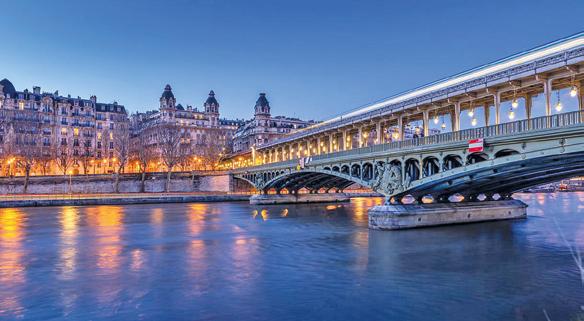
x=420 y=147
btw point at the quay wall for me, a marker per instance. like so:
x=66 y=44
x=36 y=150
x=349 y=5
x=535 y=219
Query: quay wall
x=129 y=183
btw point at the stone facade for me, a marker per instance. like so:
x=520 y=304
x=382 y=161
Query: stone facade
x=204 y=135
x=60 y=133
x=264 y=128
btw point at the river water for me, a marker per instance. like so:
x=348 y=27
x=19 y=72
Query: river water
x=234 y=261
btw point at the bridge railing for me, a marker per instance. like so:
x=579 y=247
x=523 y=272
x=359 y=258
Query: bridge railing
x=516 y=127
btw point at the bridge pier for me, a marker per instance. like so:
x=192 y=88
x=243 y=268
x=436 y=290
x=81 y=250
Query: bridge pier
x=292 y=198
x=395 y=217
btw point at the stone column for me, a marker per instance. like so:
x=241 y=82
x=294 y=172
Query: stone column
x=426 y=121
x=360 y=138
x=400 y=126
x=497 y=103
x=378 y=132
x=487 y=110
x=331 y=143
x=528 y=103
x=456 y=119
x=344 y=140
x=318 y=145
x=547 y=92
x=580 y=96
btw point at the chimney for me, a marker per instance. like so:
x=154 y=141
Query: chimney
x=93 y=99
x=36 y=90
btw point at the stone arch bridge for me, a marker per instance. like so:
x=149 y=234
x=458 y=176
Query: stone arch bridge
x=516 y=155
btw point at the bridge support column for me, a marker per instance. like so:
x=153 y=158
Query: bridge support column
x=400 y=126
x=426 y=120
x=396 y=217
x=547 y=92
x=497 y=99
x=528 y=104
x=487 y=111
x=456 y=117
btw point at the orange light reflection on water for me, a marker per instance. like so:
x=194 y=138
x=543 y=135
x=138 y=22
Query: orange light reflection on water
x=12 y=270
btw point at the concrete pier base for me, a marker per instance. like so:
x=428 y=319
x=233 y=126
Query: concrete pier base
x=264 y=199
x=395 y=217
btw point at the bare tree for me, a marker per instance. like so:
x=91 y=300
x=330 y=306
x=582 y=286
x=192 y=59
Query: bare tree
x=64 y=157
x=169 y=138
x=85 y=159
x=121 y=151
x=143 y=154
x=211 y=151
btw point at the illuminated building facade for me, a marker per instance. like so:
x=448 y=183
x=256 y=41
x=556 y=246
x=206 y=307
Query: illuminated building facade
x=53 y=134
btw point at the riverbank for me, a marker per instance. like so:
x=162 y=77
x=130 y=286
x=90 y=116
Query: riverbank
x=37 y=200
x=115 y=199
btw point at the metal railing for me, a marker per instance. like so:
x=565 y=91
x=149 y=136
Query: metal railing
x=505 y=129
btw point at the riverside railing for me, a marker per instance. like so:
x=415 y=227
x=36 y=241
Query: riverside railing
x=516 y=127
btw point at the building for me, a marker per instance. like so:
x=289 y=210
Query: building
x=264 y=128
x=205 y=137
x=46 y=133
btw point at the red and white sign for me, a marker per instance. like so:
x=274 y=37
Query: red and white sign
x=476 y=145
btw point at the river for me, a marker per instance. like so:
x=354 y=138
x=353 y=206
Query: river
x=234 y=261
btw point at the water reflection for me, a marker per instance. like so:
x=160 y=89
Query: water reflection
x=213 y=262
x=108 y=226
x=69 y=220
x=12 y=269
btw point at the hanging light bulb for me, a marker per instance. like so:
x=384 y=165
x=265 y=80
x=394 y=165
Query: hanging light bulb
x=559 y=105
x=514 y=103
x=471 y=113
x=436 y=119
x=417 y=130
x=573 y=91
x=473 y=122
x=511 y=114
x=443 y=125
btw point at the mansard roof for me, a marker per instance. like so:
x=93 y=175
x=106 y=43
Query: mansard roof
x=8 y=87
x=262 y=101
x=211 y=100
x=180 y=107
x=167 y=93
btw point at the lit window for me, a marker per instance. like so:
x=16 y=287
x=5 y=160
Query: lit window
x=21 y=105
x=111 y=135
x=76 y=131
x=63 y=131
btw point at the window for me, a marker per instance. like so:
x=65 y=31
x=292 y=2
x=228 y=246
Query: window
x=111 y=125
x=21 y=105
x=99 y=144
x=98 y=135
x=76 y=131
x=63 y=131
x=111 y=145
x=111 y=135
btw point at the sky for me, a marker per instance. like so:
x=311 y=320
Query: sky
x=314 y=59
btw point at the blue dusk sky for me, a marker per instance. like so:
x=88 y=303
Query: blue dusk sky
x=314 y=59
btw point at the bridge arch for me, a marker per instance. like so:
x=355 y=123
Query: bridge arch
x=412 y=169
x=505 y=152
x=313 y=180
x=452 y=161
x=430 y=166
x=476 y=158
